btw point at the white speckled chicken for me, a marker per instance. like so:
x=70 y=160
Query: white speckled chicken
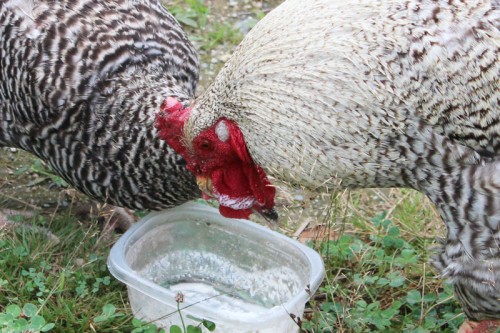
x=80 y=83
x=364 y=93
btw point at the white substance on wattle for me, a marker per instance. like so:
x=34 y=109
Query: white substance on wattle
x=234 y=203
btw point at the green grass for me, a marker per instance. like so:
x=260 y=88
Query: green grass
x=67 y=281
x=379 y=281
x=377 y=276
x=205 y=30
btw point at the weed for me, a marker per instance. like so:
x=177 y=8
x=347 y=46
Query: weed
x=379 y=283
x=191 y=13
x=108 y=313
x=26 y=319
x=194 y=15
x=189 y=328
x=221 y=33
x=142 y=327
x=66 y=281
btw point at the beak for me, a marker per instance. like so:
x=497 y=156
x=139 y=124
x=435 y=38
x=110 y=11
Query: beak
x=270 y=215
x=205 y=185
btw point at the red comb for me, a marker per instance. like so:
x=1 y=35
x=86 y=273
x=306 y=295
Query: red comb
x=170 y=122
x=170 y=105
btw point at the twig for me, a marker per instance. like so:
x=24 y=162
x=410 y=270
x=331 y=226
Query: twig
x=301 y=228
x=21 y=201
x=423 y=293
x=389 y=212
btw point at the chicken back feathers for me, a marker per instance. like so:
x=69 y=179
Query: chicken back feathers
x=80 y=84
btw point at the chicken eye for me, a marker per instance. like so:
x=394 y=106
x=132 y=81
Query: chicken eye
x=206 y=145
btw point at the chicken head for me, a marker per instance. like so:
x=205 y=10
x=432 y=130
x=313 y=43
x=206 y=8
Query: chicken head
x=219 y=158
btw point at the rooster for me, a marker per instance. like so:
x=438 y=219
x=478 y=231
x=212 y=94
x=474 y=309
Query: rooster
x=332 y=94
x=80 y=83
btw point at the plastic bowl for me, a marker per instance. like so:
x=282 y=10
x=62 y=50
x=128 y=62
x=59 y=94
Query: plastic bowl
x=235 y=273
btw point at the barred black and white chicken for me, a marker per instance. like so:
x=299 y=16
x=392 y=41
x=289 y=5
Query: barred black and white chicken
x=80 y=83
